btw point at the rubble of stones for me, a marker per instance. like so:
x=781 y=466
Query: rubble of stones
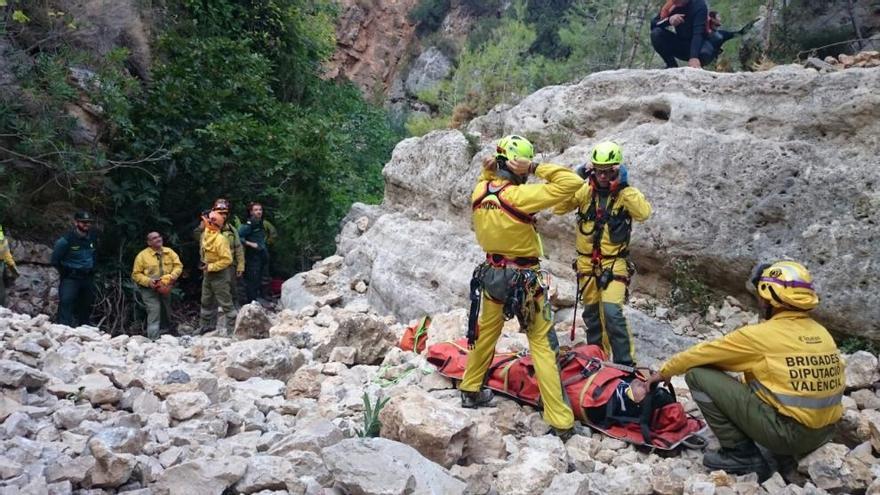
x=866 y=59
x=276 y=409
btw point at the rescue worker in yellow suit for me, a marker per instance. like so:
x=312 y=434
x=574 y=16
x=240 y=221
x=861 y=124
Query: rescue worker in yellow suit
x=606 y=207
x=509 y=283
x=793 y=374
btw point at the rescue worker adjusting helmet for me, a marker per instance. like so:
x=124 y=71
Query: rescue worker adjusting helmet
x=214 y=220
x=513 y=147
x=784 y=284
x=606 y=154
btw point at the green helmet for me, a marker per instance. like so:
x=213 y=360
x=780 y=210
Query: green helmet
x=606 y=154
x=513 y=147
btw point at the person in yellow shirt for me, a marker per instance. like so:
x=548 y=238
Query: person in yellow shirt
x=216 y=265
x=606 y=207
x=8 y=270
x=510 y=283
x=155 y=270
x=793 y=376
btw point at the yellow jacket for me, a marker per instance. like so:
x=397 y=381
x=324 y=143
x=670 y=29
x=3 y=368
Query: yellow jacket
x=146 y=267
x=498 y=232
x=629 y=199
x=215 y=250
x=790 y=361
x=235 y=247
x=5 y=252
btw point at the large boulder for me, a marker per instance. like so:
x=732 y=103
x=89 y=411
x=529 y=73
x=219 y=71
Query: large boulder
x=252 y=322
x=734 y=164
x=378 y=466
x=202 y=476
x=438 y=430
x=274 y=358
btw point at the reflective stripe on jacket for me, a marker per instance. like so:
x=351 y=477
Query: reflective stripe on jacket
x=790 y=361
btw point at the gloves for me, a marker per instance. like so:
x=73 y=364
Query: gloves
x=623 y=176
x=166 y=279
x=583 y=171
x=622 y=179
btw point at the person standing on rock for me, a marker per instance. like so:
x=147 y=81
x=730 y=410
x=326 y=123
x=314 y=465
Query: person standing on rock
x=74 y=257
x=606 y=207
x=216 y=263
x=690 y=40
x=793 y=376
x=510 y=283
x=155 y=270
x=253 y=236
x=8 y=270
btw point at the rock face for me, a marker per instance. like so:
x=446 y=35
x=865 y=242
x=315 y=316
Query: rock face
x=371 y=41
x=735 y=166
x=430 y=68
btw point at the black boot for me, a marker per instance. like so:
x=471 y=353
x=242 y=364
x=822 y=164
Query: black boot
x=473 y=400
x=563 y=435
x=742 y=459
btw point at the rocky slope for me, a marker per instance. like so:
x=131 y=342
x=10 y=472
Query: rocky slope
x=739 y=167
x=276 y=409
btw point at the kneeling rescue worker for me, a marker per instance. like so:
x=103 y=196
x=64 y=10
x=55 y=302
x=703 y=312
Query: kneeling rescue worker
x=606 y=207
x=510 y=283
x=793 y=372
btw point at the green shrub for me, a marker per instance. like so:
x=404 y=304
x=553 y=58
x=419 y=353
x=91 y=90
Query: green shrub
x=689 y=292
x=429 y=14
x=419 y=124
x=372 y=426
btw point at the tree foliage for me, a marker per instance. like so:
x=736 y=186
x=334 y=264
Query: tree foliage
x=235 y=107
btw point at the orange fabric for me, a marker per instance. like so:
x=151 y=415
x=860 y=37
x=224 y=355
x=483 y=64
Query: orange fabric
x=415 y=337
x=666 y=9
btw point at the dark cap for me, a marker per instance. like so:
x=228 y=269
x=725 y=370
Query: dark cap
x=83 y=216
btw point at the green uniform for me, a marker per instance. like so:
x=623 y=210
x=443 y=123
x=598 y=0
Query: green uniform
x=793 y=383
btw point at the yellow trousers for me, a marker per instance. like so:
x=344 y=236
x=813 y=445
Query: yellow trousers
x=543 y=348
x=603 y=315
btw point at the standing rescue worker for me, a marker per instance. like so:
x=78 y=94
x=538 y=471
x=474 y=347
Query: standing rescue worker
x=793 y=374
x=253 y=236
x=8 y=270
x=155 y=270
x=74 y=257
x=229 y=231
x=606 y=207
x=510 y=282
x=216 y=263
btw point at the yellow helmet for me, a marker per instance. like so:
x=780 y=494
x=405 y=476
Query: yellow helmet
x=784 y=284
x=513 y=147
x=606 y=154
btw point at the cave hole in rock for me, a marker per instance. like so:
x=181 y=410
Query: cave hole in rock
x=435 y=284
x=661 y=112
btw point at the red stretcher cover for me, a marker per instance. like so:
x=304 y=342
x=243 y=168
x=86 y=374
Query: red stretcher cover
x=587 y=381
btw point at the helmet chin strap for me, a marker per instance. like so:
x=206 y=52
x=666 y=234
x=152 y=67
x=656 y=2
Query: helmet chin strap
x=505 y=173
